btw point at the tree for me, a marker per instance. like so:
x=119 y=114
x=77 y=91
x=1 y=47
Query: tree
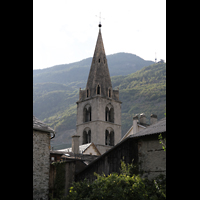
x=118 y=187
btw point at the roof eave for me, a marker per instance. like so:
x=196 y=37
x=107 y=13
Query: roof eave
x=43 y=130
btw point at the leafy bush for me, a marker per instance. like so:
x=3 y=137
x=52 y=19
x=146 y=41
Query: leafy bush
x=119 y=187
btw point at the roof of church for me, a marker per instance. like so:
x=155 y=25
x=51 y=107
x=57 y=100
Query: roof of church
x=39 y=125
x=99 y=72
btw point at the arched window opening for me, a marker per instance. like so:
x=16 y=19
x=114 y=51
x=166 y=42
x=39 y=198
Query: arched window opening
x=109 y=114
x=87 y=92
x=98 y=89
x=87 y=113
x=109 y=138
x=89 y=136
x=86 y=136
x=111 y=117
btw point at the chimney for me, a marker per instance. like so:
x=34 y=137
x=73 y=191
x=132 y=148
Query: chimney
x=135 y=126
x=75 y=144
x=142 y=118
x=153 y=119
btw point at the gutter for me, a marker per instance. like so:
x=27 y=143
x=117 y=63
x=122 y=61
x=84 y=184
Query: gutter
x=53 y=135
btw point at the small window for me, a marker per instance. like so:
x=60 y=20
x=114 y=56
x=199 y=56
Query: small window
x=87 y=93
x=99 y=60
x=98 y=89
x=109 y=92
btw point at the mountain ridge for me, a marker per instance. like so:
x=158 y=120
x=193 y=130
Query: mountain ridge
x=119 y=64
x=141 y=91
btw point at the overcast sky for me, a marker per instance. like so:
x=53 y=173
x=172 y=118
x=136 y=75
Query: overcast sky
x=65 y=31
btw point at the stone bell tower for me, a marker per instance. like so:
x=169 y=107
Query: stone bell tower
x=98 y=107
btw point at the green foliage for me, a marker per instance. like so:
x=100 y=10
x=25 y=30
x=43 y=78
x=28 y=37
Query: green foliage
x=142 y=91
x=162 y=141
x=118 y=187
x=129 y=169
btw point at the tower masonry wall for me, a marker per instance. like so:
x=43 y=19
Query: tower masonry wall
x=98 y=125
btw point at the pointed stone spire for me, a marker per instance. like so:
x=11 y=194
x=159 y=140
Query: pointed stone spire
x=99 y=82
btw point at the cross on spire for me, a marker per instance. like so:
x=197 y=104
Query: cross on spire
x=100 y=19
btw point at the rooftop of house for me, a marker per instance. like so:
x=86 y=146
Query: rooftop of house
x=158 y=127
x=40 y=126
x=82 y=148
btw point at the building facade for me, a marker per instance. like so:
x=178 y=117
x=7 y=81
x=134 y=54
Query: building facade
x=143 y=149
x=98 y=107
x=41 y=159
x=139 y=123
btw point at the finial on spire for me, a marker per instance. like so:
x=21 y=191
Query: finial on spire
x=99 y=20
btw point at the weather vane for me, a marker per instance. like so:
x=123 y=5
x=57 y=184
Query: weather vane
x=100 y=19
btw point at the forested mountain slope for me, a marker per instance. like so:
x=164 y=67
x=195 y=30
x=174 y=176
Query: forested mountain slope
x=142 y=91
x=119 y=64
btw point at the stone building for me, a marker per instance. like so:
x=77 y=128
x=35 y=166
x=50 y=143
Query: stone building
x=41 y=158
x=139 y=123
x=99 y=107
x=143 y=148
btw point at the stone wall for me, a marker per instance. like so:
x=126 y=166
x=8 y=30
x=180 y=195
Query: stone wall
x=71 y=167
x=151 y=156
x=98 y=125
x=41 y=164
x=146 y=151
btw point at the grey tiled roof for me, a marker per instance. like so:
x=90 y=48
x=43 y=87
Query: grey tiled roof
x=158 y=127
x=81 y=148
x=39 y=125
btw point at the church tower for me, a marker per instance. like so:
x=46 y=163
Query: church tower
x=99 y=108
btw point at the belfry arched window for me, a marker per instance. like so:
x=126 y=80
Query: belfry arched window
x=109 y=113
x=86 y=136
x=87 y=116
x=109 y=137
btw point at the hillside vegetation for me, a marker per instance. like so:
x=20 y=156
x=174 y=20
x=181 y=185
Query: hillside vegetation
x=141 y=91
